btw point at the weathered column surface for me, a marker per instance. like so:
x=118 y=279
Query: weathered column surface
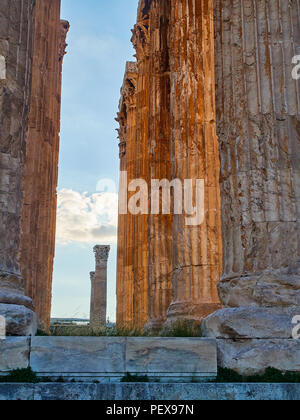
x=175 y=138
x=99 y=288
x=16 y=46
x=159 y=149
x=41 y=165
x=258 y=114
x=197 y=247
x=140 y=40
x=126 y=248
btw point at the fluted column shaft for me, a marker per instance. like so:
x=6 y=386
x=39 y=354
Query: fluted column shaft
x=16 y=42
x=258 y=126
x=126 y=243
x=42 y=152
x=140 y=41
x=194 y=154
x=159 y=226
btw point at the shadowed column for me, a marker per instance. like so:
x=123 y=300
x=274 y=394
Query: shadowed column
x=258 y=119
x=16 y=46
x=99 y=288
x=197 y=250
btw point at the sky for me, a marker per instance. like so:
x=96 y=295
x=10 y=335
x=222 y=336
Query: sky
x=98 y=48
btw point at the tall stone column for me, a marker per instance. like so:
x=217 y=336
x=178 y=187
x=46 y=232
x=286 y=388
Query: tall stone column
x=141 y=40
x=42 y=152
x=159 y=226
x=197 y=250
x=258 y=109
x=258 y=116
x=16 y=46
x=99 y=288
x=126 y=243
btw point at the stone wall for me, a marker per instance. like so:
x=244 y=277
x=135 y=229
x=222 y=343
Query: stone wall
x=41 y=166
x=16 y=46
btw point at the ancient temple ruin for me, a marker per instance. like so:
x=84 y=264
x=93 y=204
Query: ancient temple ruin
x=168 y=271
x=32 y=41
x=213 y=95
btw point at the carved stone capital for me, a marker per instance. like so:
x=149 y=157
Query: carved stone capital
x=141 y=39
x=65 y=26
x=101 y=254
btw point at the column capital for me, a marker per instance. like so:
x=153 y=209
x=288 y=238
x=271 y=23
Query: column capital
x=101 y=253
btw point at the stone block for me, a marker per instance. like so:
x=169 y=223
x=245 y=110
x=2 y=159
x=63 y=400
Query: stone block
x=20 y=321
x=108 y=359
x=172 y=358
x=14 y=353
x=250 y=322
x=16 y=392
x=251 y=357
x=84 y=357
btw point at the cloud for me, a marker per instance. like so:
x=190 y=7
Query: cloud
x=87 y=218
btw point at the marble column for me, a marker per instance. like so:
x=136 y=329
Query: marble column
x=16 y=46
x=99 y=288
x=258 y=109
x=141 y=43
x=197 y=250
x=258 y=118
x=41 y=163
x=160 y=241
x=126 y=243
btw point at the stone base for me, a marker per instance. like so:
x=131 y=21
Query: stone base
x=271 y=288
x=108 y=359
x=14 y=354
x=19 y=320
x=189 y=312
x=252 y=357
x=149 y=392
x=250 y=322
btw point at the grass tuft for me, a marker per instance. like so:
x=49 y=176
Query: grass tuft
x=134 y=378
x=26 y=376
x=182 y=329
x=271 y=375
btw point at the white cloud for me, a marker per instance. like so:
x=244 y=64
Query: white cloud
x=86 y=218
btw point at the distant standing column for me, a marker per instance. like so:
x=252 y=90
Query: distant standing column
x=99 y=287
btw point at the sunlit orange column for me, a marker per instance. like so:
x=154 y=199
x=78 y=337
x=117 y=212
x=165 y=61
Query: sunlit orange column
x=41 y=165
x=127 y=136
x=197 y=252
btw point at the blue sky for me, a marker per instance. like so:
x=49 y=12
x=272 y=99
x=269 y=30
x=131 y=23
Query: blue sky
x=98 y=48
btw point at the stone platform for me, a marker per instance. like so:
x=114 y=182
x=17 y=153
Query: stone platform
x=109 y=359
x=148 y=392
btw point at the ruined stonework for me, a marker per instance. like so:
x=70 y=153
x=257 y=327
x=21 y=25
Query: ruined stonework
x=258 y=118
x=126 y=246
x=197 y=253
x=171 y=279
x=98 y=310
x=16 y=46
x=41 y=166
